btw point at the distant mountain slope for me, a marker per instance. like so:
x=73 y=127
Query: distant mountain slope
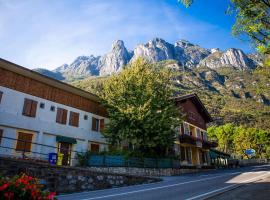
x=230 y=95
x=184 y=52
x=51 y=74
x=226 y=81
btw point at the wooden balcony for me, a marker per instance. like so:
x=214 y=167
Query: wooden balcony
x=198 y=142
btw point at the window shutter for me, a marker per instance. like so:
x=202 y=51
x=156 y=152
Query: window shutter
x=94 y=124
x=74 y=119
x=101 y=124
x=58 y=115
x=64 y=116
x=24 y=142
x=27 y=107
x=61 y=116
x=33 y=108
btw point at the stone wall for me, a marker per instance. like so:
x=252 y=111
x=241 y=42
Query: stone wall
x=68 y=179
x=150 y=172
x=248 y=162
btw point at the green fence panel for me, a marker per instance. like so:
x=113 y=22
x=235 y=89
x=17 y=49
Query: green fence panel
x=164 y=163
x=135 y=162
x=114 y=161
x=96 y=160
x=150 y=162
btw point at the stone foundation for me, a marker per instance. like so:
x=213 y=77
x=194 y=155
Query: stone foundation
x=63 y=179
x=150 y=172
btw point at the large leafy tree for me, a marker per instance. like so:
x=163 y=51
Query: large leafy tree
x=252 y=22
x=236 y=139
x=141 y=111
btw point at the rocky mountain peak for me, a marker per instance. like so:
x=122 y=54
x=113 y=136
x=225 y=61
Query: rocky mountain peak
x=183 y=43
x=185 y=53
x=236 y=58
x=155 y=50
x=114 y=60
x=232 y=57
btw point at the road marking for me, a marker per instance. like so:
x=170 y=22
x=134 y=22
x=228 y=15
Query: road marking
x=220 y=189
x=156 y=188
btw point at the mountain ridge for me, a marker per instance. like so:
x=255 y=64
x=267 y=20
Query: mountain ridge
x=185 y=53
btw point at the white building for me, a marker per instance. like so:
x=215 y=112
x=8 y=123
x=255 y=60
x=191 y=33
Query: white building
x=35 y=109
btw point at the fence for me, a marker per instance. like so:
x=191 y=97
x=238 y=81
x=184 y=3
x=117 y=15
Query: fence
x=32 y=150
x=121 y=161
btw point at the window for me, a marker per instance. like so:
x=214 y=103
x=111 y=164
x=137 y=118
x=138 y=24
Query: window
x=85 y=117
x=186 y=154
x=42 y=105
x=101 y=124
x=24 y=142
x=1 y=135
x=1 y=94
x=29 y=108
x=94 y=147
x=52 y=108
x=74 y=119
x=186 y=129
x=95 y=124
x=61 y=116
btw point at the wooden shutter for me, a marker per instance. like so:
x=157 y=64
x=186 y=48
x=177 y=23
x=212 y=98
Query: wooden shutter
x=1 y=94
x=94 y=124
x=61 y=116
x=74 y=119
x=101 y=124
x=27 y=107
x=33 y=108
x=24 y=142
x=64 y=116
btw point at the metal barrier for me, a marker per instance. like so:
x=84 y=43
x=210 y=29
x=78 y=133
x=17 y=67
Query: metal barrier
x=121 y=161
x=32 y=153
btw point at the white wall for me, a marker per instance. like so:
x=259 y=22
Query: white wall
x=44 y=124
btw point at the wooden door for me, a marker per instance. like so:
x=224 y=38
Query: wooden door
x=65 y=149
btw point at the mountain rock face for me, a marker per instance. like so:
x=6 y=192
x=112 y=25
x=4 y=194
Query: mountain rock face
x=82 y=66
x=155 y=50
x=231 y=58
x=115 y=60
x=188 y=54
x=183 y=52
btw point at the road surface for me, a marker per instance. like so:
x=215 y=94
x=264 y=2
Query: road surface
x=189 y=187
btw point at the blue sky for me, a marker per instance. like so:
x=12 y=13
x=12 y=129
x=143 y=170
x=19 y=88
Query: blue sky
x=49 y=33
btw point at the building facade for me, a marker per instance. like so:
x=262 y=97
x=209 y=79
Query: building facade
x=192 y=144
x=40 y=115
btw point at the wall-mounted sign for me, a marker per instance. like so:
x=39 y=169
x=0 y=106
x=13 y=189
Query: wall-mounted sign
x=250 y=152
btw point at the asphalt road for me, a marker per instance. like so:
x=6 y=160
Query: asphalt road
x=189 y=187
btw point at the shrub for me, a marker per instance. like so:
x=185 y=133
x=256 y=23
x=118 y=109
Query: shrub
x=23 y=187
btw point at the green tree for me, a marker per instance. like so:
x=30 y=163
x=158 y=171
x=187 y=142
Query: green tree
x=236 y=139
x=224 y=135
x=140 y=108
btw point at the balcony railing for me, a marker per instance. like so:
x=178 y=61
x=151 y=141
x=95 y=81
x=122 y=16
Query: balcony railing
x=199 y=142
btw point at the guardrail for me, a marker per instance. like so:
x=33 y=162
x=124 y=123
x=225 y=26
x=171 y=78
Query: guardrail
x=32 y=153
x=121 y=161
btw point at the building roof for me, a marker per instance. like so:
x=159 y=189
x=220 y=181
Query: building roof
x=197 y=102
x=47 y=80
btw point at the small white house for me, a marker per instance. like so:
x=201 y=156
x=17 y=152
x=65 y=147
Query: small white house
x=40 y=115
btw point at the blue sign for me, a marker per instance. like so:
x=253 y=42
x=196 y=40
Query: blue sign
x=250 y=152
